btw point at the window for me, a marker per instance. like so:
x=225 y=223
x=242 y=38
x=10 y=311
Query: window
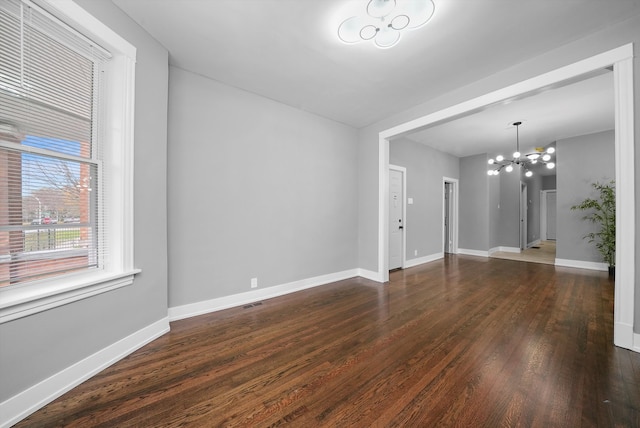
x=65 y=179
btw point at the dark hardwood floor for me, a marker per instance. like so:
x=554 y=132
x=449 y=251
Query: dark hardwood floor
x=462 y=341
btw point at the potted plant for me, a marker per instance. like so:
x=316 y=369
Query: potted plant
x=602 y=211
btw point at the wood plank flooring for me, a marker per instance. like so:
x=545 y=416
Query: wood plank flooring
x=463 y=341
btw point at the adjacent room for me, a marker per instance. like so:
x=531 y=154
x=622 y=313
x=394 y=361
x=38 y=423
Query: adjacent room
x=335 y=213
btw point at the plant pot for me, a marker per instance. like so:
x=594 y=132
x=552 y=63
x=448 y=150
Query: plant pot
x=612 y=271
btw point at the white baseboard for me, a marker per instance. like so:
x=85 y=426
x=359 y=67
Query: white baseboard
x=369 y=274
x=423 y=260
x=504 y=250
x=28 y=401
x=478 y=253
x=624 y=337
x=582 y=264
x=226 y=302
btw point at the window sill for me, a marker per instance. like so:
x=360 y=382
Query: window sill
x=22 y=300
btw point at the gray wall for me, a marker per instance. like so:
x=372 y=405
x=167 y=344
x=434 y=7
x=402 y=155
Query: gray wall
x=474 y=209
x=549 y=182
x=425 y=169
x=611 y=37
x=256 y=189
x=38 y=346
x=581 y=161
x=534 y=186
x=508 y=234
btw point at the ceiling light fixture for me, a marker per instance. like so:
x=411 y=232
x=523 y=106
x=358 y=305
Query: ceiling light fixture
x=383 y=21
x=540 y=155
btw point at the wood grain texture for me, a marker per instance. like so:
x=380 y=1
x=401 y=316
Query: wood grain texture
x=463 y=341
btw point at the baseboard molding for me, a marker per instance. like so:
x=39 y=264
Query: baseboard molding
x=534 y=243
x=226 y=302
x=28 y=401
x=582 y=264
x=504 y=250
x=478 y=253
x=369 y=274
x=625 y=337
x=423 y=260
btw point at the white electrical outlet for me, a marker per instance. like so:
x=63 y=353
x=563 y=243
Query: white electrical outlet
x=254 y=282
x=415 y=252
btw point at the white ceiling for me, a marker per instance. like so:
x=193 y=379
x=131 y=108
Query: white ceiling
x=287 y=50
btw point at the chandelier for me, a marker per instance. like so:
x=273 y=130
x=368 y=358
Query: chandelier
x=539 y=156
x=383 y=21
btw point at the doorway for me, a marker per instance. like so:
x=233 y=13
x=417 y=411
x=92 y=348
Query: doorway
x=621 y=59
x=397 y=180
x=450 y=216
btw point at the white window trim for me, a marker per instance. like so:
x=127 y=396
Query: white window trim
x=22 y=300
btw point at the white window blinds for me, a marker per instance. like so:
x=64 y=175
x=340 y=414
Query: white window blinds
x=51 y=202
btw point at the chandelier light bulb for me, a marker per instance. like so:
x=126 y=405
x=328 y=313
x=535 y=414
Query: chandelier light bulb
x=516 y=155
x=534 y=161
x=499 y=158
x=490 y=172
x=551 y=150
x=546 y=158
x=528 y=173
x=491 y=161
x=533 y=156
x=551 y=165
x=509 y=168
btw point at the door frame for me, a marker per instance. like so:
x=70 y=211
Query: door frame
x=403 y=170
x=453 y=215
x=543 y=213
x=621 y=59
x=524 y=207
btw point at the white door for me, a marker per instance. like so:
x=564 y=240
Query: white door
x=551 y=215
x=396 y=219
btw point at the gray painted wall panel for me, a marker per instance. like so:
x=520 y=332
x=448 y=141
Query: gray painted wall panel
x=38 y=346
x=509 y=229
x=581 y=161
x=256 y=189
x=534 y=185
x=474 y=209
x=425 y=169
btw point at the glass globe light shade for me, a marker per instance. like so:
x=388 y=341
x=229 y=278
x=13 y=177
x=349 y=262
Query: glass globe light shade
x=528 y=173
x=509 y=168
x=516 y=155
x=546 y=157
x=551 y=165
x=551 y=150
x=534 y=161
x=499 y=158
x=491 y=161
x=533 y=156
x=490 y=172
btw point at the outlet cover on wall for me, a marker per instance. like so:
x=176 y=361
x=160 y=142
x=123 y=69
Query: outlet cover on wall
x=254 y=282
x=415 y=252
